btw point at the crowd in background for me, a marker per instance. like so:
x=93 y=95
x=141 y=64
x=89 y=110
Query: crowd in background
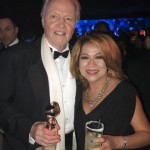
x=132 y=43
x=133 y=46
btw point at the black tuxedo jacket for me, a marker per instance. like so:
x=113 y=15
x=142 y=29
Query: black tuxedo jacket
x=2 y=47
x=24 y=93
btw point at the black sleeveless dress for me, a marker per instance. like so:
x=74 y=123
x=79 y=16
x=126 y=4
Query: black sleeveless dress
x=115 y=111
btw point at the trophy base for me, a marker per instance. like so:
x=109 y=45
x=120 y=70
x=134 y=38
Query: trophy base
x=53 y=147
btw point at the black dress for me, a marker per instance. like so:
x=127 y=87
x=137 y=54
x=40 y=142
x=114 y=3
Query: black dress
x=115 y=111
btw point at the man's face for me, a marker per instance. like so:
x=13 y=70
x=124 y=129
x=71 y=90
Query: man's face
x=8 y=33
x=59 y=22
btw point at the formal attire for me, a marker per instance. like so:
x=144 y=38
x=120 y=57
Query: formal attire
x=24 y=86
x=3 y=47
x=115 y=111
x=16 y=41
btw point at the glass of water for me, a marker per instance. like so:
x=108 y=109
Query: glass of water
x=93 y=129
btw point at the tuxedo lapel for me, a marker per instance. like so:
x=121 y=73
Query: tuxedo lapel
x=39 y=82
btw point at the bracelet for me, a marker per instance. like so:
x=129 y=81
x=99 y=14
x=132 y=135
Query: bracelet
x=124 y=143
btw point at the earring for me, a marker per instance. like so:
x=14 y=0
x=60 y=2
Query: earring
x=84 y=81
x=109 y=72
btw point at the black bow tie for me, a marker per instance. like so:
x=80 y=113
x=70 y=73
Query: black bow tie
x=63 y=54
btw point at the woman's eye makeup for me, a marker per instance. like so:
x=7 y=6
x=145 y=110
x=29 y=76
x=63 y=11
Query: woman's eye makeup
x=99 y=57
x=84 y=57
x=87 y=57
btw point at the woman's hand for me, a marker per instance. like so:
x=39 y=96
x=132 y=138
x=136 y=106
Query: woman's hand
x=107 y=143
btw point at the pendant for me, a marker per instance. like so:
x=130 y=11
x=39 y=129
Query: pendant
x=91 y=104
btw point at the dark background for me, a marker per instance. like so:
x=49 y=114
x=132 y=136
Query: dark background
x=91 y=9
x=115 y=8
x=27 y=12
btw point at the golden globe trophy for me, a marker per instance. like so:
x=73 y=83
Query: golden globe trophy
x=52 y=111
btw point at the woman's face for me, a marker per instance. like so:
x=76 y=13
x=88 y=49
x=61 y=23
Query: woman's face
x=91 y=63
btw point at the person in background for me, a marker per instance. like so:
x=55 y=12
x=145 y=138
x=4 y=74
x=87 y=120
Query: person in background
x=103 y=27
x=8 y=32
x=103 y=92
x=147 y=38
x=138 y=72
x=35 y=74
x=1 y=141
x=8 y=37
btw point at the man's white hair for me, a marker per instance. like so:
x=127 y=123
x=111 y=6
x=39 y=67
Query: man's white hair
x=76 y=3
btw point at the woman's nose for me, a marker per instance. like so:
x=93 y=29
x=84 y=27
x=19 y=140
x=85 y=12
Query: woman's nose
x=92 y=62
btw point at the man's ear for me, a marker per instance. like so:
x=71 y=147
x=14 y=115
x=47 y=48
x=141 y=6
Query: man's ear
x=16 y=30
x=43 y=24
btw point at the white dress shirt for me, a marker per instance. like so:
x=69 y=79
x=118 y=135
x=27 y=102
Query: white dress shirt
x=14 y=42
x=68 y=88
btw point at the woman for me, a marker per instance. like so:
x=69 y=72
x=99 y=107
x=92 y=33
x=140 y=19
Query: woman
x=105 y=94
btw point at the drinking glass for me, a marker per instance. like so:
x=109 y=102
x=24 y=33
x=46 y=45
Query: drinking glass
x=93 y=129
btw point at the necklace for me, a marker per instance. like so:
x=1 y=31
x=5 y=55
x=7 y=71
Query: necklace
x=94 y=100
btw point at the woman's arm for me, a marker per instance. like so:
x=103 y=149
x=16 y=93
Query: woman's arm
x=140 y=138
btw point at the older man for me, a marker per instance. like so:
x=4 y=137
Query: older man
x=37 y=75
